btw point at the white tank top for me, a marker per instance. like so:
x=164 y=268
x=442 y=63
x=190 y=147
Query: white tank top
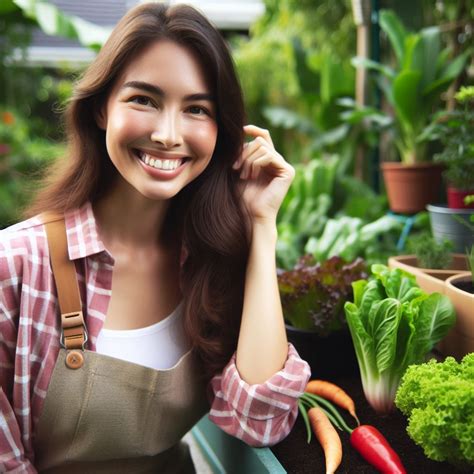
x=159 y=346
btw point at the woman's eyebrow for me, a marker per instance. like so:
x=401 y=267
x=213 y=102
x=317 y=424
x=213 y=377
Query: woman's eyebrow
x=155 y=90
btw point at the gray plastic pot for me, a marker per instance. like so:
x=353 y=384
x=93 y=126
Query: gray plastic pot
x=447 y=224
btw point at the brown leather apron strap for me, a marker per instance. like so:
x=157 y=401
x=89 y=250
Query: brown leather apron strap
x=73 y=328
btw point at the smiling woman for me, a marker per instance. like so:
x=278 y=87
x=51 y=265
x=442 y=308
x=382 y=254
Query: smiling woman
x=161 y=130
x=161 y=231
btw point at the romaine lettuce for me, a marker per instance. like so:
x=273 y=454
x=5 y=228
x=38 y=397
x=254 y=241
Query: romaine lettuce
x=393 y=324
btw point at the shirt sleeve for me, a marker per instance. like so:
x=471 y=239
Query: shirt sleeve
x=12 y=454
x=259 y=414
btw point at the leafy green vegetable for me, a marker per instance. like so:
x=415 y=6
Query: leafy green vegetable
x=438 y=399
x=393 y=324
x=313 y=294
x=348 y=237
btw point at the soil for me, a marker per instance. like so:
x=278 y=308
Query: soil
x=297 y=457
x=466 y=286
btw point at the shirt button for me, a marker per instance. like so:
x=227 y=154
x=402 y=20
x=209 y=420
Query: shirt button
x=74 y=359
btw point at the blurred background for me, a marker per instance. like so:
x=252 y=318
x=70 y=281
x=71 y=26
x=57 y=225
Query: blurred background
x=317 y=73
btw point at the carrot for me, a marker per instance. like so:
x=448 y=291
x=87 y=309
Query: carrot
x=327 y=437
x=333 y=393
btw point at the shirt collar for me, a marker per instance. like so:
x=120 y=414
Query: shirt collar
x=82 y=234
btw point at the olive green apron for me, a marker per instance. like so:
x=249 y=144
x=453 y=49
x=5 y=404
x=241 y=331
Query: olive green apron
x=106 y=415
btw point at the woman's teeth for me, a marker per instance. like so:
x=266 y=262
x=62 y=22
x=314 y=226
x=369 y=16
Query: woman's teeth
x=160 y=164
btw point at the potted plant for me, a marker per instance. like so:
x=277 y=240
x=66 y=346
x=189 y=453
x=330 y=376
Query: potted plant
x=455 y=130
x=313 y=296
x=431 y=262
x=453 y=224
x=460 y=289
x=412 y=88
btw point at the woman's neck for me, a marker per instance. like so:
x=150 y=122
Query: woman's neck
x=128 y=220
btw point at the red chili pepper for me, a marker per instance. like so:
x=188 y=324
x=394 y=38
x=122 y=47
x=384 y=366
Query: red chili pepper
x=374 y=448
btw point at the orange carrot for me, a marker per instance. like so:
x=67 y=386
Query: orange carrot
x=333 y=393
x=327 y=437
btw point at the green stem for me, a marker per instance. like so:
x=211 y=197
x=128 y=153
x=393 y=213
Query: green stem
x=332 y=418
x=305 y=419
x=330 y=407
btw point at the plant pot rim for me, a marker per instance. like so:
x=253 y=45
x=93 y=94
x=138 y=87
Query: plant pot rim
x=459 y=277
x=388 y=165
x=402 y=258
x=461 y=190
x=444 y=209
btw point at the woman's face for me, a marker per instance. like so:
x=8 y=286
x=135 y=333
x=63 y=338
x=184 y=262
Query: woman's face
x=160 y=121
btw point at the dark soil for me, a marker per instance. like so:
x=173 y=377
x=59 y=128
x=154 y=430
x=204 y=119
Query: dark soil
x=466 y=286
x=296 y=456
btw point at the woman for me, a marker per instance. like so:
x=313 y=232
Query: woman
x=167 y=221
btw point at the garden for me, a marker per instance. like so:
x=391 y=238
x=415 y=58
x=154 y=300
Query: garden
x=372 y=102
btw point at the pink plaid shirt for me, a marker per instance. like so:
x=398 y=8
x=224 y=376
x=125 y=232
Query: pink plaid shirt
x=259 y=415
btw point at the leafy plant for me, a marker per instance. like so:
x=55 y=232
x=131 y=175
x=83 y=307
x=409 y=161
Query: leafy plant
x=54 y=22
x=321 y=193
x=413 y=86
x=455 y=130
x=430 y=253
x=349 y=237
x=313 y=293
x=438 y=399
x=21 y=158
x=393 y=324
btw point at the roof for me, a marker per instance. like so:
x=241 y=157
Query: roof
x=52 y=50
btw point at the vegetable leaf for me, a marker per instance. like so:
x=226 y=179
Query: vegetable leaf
x=438 y=399
x=393 y=324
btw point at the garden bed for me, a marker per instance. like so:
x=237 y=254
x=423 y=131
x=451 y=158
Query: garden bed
x=296 y=456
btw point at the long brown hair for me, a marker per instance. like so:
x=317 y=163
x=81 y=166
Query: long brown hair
x=207 y=213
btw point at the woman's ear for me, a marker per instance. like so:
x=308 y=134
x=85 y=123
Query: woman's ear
x=100 y=116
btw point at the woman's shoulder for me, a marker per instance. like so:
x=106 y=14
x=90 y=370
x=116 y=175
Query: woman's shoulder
x=23 y=232
x=25 y=239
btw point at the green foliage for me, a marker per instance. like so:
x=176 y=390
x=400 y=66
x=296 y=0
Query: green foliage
x=327 y=213
x=438 y=399
x=470 y=260
x=393 y=324
x=21 y=159
x=56 y=23
x=289 y=60
x=413 y=86
x=455 y=130
x=313 y=293
x=430 y=253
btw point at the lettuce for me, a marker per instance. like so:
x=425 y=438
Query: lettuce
x=313 y=294
x=393 y=324
x=438 y=398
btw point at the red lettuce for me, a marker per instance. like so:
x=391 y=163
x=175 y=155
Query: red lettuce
x=313 y=294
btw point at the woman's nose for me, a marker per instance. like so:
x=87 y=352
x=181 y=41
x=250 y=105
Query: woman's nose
x=167 y=130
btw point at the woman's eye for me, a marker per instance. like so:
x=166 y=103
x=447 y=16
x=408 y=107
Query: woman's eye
x=198 y=110
x=141 y=100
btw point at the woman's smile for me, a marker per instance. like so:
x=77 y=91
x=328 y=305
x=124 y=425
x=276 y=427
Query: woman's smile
x=161 y=165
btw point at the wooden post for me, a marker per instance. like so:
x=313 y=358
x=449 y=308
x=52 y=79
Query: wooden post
x=361 y=12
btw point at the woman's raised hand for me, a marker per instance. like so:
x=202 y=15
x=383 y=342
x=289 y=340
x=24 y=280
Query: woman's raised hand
x=264 y=173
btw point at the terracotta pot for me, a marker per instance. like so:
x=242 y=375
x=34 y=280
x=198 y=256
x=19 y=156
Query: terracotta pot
x=456 y=198
x=460 y=340
x=430 y=280
x=411 y=187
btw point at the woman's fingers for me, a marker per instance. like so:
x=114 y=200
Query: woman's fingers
x=255 y=131
x=250 y=149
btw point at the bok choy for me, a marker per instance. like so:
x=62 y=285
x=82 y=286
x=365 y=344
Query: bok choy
x=393 y=324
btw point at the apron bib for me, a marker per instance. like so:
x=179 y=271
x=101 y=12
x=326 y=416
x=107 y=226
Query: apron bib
x=106 y=415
